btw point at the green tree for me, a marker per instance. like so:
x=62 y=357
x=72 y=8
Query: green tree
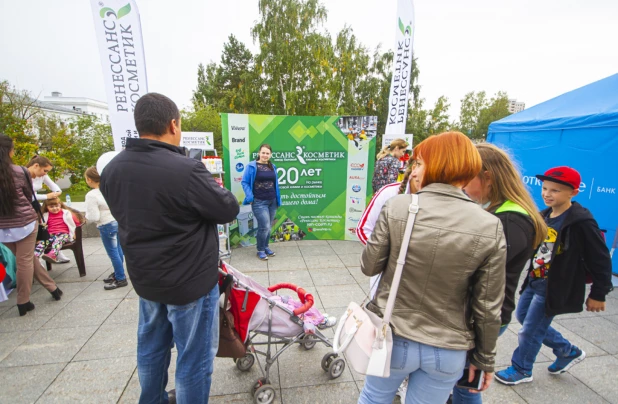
x=438 y=117
x=16 y=113
x=299 y=69
x=207 y=93
x=418 y=118
x=71 y=146
x=230 y=86
x=373 y=90
x=471 y=106
x=293 y=56
x=497 y=108
x=92 y=139
x=350 y=65
x=58 y=144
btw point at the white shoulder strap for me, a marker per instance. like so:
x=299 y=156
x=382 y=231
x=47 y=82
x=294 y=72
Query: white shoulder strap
x=413 y=210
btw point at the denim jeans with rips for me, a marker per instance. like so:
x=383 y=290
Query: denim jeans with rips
x=194 y=328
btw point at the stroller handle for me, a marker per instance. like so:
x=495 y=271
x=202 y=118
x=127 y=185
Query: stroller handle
x=305 y=298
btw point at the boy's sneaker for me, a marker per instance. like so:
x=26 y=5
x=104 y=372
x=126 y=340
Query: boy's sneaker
x=561 y=365
x=269 y=252
x=262 y=255
x=511 y=376
x=116 y=284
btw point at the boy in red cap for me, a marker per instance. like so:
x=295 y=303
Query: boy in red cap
x=556 y=283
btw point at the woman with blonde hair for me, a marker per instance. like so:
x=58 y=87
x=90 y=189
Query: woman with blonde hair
x=499 y=190
x=387 y=164
x=452 y=285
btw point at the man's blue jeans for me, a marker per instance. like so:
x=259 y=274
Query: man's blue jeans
x=194 y=328
x=536 y=328
x=264 y=211
x=109 y=237
x=433 y=372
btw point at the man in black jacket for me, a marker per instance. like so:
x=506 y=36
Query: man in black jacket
x=556 y=284
x=168 y=207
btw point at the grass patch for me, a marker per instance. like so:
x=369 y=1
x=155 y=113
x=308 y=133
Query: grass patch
x=77 y=195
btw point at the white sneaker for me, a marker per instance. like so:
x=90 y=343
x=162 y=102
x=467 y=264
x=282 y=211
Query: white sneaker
x=402 y=390
x=329 y=321
x=63 y=259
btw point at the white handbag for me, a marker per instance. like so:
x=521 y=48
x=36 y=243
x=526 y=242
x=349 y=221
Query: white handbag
x=367 y=338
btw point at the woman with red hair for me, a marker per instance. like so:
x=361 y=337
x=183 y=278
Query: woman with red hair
x=451 y=290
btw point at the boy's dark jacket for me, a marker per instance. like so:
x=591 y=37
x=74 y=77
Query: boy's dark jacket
x=583 y=251
x=167 y=207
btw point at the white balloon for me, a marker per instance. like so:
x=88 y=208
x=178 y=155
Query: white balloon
x=105 y=159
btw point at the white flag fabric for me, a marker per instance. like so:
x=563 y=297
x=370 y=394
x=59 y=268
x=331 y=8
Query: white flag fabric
x=119 y=34
x=402 y=67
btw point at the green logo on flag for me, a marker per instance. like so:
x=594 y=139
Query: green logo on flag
x=106 y=12
x=406 y=30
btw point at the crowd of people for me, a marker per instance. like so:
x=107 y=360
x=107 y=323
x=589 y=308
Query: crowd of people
x=476 y=231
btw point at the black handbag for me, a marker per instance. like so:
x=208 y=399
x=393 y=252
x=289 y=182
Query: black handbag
x=42 y=233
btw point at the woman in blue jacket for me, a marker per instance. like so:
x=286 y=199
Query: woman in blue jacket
x=262 y=192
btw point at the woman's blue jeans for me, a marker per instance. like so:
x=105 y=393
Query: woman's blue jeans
x=109 y=237
x=432 y=371
x=464 y=396
x=264 y=211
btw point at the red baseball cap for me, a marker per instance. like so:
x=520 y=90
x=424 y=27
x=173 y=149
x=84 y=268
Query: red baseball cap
x=562 y=175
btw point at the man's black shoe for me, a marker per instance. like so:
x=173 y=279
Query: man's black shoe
x=111 y=278
x=116 y=284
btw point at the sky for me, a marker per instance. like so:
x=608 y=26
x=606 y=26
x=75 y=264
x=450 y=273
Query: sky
x=533 y=50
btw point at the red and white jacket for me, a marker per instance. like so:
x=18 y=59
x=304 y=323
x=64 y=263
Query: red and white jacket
x=372 y=211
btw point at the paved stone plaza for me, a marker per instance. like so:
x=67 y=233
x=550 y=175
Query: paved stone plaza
x=83 y=348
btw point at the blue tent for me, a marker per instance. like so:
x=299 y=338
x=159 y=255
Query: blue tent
x=577 y=129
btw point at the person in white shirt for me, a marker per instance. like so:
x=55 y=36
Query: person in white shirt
x=97 y=211
x=372 y=211
x=39 y=166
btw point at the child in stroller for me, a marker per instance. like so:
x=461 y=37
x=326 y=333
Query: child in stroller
x=259 y=312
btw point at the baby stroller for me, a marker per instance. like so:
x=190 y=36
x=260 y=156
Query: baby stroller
x=258 y=311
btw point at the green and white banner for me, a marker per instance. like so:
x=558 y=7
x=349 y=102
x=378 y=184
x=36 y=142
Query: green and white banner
x=324 y=166
x=119 y=33
x=402 y=67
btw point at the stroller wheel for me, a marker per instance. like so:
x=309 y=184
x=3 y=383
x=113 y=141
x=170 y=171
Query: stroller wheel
x=336 y=368
x=309 y=342
x=327 y=360
x=264 y=395
x=262 y=381
x=244 y=364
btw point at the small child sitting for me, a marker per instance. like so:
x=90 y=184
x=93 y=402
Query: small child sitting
x=61 y=224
